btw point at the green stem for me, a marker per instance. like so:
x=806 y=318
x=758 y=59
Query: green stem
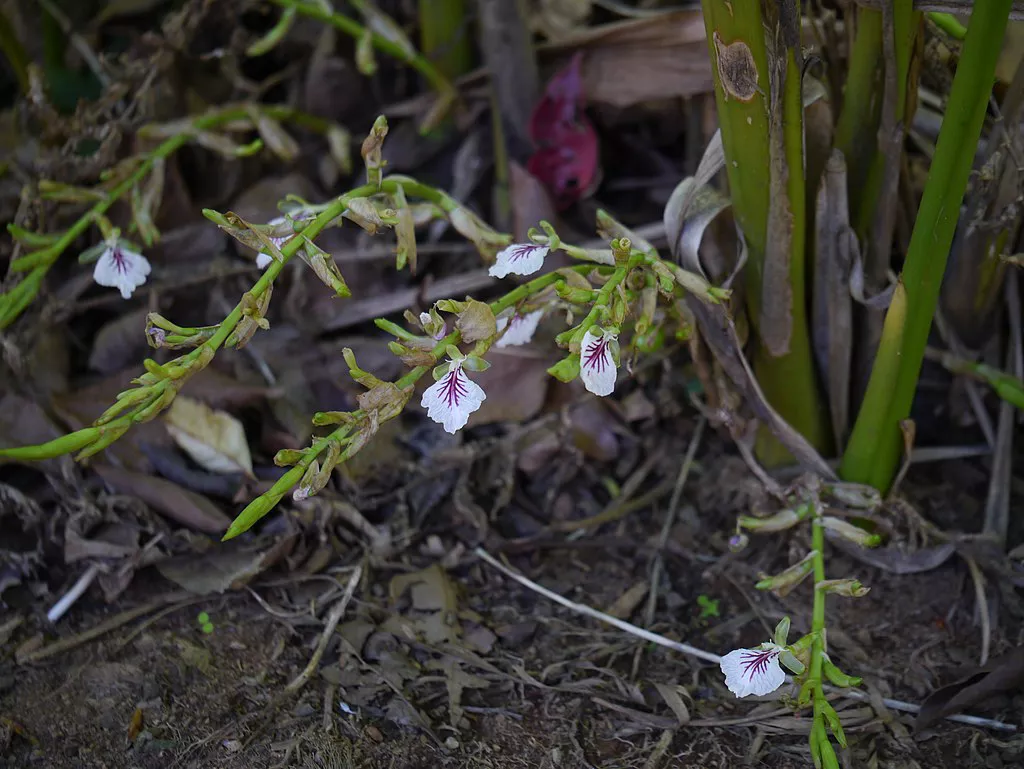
x=14 y=302
x=934 y=229
x=354 y=29
x=820 y=740
x=263 y=504
x=949 y=24
x=857 y=128
x=443 y=36
x=736 y=38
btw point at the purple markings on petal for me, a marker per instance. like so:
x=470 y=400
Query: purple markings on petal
x=597 y=357
x=453 y=388
x=522 y=251
x=755 y=661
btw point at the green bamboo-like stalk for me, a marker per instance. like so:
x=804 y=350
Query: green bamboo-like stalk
x=736 y=39
x=857 y=127
x=874 y=449
x=862 y=447
x=906 y=23
x=443 y=36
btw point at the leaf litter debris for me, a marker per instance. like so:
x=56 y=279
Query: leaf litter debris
x=373 y=596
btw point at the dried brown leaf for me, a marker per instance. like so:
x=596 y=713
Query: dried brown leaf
x=642 y=60
x=215 y=571
x=832 y=311
x=120 y=343
x=1001 y=676
x=214 y=439
x=172 y=501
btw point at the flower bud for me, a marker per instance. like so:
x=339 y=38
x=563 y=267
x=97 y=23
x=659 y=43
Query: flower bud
x=781 y=635
x=850 y=588
x=322 y=418
x=782 y=583
x=850 y=532
x=576 y=295
x=789 y=660
x=858 y=496
x=373 y=144
x=288 y=457
x=567 y=369
x=835 y=676
x=738 y=542
x=386 y=399
x=780 y=521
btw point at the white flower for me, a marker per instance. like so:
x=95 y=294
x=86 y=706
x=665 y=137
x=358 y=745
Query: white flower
x=263 y=259
x=597 y=366
x=753 y=671
x=121 y=268
x=519 y=259
x=520 y=328
x=452 y=398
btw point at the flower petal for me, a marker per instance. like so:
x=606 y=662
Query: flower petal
x=597 y=367
x=753 y=671
x=521 y=328
x=122 y=269
x=519 y=259
x=263 y=260
x=452 y=398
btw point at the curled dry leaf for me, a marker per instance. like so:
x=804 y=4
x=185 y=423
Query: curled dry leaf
x=214 y=439
x=690 y=210
x=1001 y=676
x=119 y=343
x=833 y=306
x=641 y=60
x=170 y=500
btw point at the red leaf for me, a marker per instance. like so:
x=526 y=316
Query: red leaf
x=566 y=160
x=561 y=106
x=570 y=169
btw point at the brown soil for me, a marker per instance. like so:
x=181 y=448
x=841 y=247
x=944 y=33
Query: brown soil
x=540 y=686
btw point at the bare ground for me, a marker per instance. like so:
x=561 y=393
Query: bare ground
x=477 y=671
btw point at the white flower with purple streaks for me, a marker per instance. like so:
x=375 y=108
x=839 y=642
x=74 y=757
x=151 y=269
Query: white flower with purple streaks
x=121 y=268
x=452 y=398
x=753 y=671
x=519 y=259
x=519 y=329
x=597 y=366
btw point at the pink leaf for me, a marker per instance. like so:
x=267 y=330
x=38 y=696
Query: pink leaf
x=566 y=160
x=570 y=169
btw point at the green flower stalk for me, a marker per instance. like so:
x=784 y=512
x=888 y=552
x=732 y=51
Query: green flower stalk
x=600 y=290
x=47 y=249
x=758 y=671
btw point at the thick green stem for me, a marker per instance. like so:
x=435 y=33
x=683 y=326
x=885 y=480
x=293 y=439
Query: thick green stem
x=933 y=234
x=743 y=88
x=857 y=129
x=444 y=38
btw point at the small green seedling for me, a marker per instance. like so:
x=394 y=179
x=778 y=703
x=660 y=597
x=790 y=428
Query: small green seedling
x=708 y=607
x=204 y=622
